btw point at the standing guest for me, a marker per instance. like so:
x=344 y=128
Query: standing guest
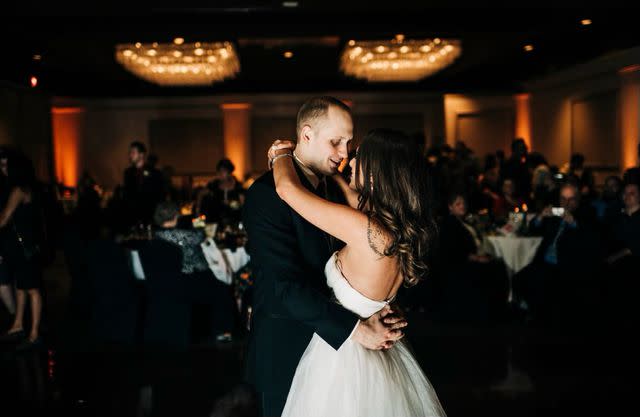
x=22 y=222
x=6 y=284
x=517 y=168
x=143 y=186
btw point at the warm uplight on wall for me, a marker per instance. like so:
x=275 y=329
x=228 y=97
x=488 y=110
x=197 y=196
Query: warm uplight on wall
x=629 y=97
x=523 y=118
x=67 y=131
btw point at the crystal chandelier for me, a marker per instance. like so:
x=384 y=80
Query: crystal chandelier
x=179 y=63
x=398 y=59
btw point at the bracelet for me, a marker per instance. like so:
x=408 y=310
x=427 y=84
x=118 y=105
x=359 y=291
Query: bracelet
x=272 y=160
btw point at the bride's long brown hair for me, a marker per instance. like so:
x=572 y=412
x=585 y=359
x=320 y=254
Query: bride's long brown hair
x=395 y=194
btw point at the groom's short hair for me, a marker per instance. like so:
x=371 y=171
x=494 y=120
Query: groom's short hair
x=317 y=107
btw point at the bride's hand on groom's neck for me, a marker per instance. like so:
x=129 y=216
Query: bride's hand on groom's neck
x=381 y=330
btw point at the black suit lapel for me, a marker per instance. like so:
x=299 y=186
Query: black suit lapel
x=316 y=246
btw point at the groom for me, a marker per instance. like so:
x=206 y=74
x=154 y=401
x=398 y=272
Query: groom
x=291 y=297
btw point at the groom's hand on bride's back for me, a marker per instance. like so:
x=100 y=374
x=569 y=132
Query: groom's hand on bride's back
x=381 y=330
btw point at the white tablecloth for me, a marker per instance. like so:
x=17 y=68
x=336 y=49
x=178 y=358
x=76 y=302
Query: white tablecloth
x=223 y=263
x=516 y=252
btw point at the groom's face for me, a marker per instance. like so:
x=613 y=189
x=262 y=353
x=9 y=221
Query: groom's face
x=328 y=141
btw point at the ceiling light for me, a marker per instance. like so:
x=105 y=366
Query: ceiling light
x=390 y=60
x=200 y=63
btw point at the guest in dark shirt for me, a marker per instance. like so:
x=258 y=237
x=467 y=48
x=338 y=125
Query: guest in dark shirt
x=143 y=186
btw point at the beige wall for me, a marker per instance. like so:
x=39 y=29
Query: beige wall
x=484 y=123
x=110 y=125
x=579 y=110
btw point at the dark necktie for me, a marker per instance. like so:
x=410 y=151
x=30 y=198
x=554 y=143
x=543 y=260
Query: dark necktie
x=321 y=189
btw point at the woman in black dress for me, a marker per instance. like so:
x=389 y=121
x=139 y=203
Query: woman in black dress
x=6 y=283
x=224 y=196
x=20 y=219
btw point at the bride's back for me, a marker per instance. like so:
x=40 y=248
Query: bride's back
x=375 y=277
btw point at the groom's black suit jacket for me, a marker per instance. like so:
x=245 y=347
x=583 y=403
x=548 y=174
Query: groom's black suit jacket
x=291 y=297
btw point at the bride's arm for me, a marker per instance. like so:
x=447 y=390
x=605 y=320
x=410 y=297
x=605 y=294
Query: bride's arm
x=352 y=196
x=345 y=223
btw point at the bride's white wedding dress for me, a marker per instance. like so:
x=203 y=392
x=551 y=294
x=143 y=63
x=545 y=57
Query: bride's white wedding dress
x=354 y=381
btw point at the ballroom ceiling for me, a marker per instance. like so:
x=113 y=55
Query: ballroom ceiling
x=76 y=45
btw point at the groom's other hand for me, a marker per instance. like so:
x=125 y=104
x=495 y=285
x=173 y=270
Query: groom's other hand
x=375 y=334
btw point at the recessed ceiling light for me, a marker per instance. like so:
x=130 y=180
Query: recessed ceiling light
x=585 y=22
x=33 y=81
x=37 y=57
x=288 y=54
x=528 y=48
x=289 y=4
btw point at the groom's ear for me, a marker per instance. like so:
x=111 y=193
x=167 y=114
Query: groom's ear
x=306 y=134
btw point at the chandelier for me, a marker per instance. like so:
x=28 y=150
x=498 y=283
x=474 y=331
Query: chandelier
x=179 y=63
x=398 y=59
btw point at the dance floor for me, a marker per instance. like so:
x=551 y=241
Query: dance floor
x=511 y=370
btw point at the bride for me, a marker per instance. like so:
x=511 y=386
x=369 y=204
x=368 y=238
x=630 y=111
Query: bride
x=386 y=229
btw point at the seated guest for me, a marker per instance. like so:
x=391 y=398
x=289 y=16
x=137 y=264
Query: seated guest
x=624 y=260
x=610 y=204
x=507 y=202
x=471 y=276
x=626 y=227
x=224 y=196
x=562 y=273
x=543 y=184
x=202 y=287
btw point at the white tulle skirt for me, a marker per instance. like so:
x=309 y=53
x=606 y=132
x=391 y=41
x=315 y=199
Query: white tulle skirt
x=357 y=382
